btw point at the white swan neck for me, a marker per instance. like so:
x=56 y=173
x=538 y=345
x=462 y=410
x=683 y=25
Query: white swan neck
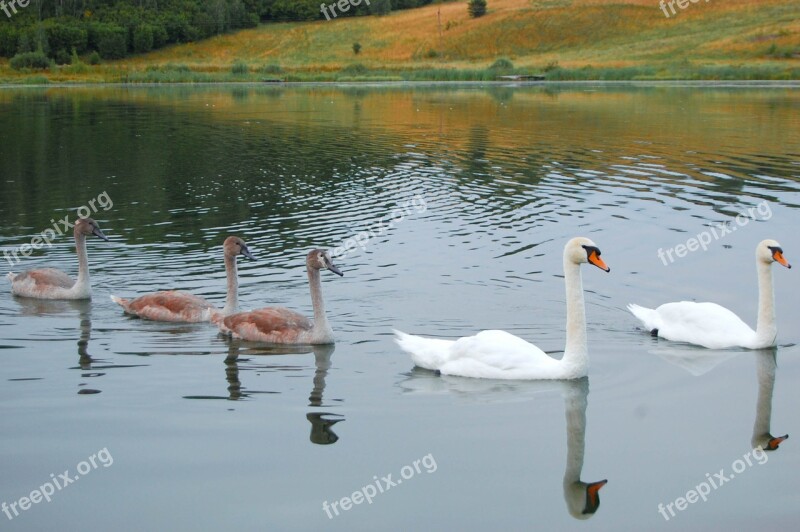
x=232 y=295
x=575 y=351
x=766 y=330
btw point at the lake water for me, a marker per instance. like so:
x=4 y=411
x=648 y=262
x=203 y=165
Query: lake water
x=482 y=187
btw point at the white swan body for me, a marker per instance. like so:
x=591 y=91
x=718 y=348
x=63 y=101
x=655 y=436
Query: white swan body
x=50 y=283
x=713 y=326
x=501 y=355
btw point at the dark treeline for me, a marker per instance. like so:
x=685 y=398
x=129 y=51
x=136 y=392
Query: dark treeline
x=116 y=28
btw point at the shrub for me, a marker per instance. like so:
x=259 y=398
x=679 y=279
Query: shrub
x=285 y=10
x=40 y=41
x=272 y=69
x=36 y=59
x=142 y=38
x=177 y=27
x=380 y=7
x=112 y=41
x=476 y=8
x=62 y=57
x=8 y=40
x=77 y=66
x=172 y=67
x=94 y=58
x=502 y=64
x=65 y=36
x=240 y=68
x=354 y=69
x=24 y=43
x=160 y=36
x=356 y=48
x=252 y=21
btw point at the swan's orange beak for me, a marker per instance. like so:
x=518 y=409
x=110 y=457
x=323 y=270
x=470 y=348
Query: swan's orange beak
x=595 y=259
x=775 y=442
x=592 y=497
x=778 y=256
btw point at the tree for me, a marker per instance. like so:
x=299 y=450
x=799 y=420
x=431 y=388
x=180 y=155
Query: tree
x=380 y=7
x=476 y=8
x=142 y=38
x=356 y=47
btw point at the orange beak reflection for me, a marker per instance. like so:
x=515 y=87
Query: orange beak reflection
x=592 y=499
x=775 y=442
x=778 y=256
x=595 y=259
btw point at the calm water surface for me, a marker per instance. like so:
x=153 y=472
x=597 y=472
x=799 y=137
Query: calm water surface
x=478 y=190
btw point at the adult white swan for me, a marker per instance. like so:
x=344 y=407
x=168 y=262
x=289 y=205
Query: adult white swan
x=501 y=355
x=713 y=326
x=50 y=283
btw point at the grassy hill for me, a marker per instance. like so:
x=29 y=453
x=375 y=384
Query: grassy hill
x=566 y=39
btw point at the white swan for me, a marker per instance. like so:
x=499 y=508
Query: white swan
x=501 y=355
x=50 y=283
x=713 y=326
x=582 y=498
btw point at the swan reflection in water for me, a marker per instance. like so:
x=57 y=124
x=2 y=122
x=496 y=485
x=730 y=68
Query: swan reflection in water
x=58 y=307
x=698 y=362
x=321 y=422
x=582 y=498
x=766 y=364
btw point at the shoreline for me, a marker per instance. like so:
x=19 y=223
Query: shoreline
x=788 y=84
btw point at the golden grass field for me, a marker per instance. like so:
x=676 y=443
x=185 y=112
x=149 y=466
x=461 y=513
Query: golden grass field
x=572 y=34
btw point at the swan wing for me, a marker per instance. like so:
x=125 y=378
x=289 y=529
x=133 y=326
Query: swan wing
x=499 y=355
x=35 y=283
x=428 y=353
x=169 y=305
x=488 y=354
x=271 y=324
x=707 y=324
x=648 y=316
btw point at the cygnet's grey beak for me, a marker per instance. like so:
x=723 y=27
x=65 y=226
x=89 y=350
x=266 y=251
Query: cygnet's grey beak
x=99 y=234
x=335 y=270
